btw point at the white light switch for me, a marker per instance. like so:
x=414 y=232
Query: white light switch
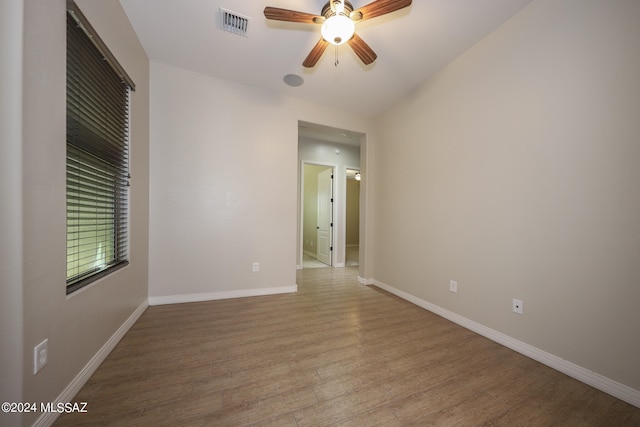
x=453 y=286
x=40 y=356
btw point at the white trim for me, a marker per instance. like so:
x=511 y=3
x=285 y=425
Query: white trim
x=47 y=419
x=365 y=281
x=339 y=265
x=212 y=296
x=584 y=375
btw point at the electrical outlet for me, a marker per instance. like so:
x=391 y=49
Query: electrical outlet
x=256 y=267
x=40 y=356
x=517 y=306
x=453 y=286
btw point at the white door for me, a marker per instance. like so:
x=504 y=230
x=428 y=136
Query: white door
x=325 y=216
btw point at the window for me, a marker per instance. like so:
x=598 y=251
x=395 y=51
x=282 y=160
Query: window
x=97 y=155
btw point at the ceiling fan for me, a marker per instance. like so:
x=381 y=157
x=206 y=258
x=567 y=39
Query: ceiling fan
x=338 y=19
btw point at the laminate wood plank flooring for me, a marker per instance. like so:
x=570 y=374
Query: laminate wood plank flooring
x=337 y=353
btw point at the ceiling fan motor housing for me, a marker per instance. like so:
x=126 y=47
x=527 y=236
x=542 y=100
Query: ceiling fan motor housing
x=327 y=11
x=338 y=28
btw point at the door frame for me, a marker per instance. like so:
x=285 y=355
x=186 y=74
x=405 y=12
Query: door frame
x=334 y=168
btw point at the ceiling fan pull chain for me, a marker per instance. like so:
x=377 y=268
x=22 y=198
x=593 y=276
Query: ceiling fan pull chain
x=337 y=61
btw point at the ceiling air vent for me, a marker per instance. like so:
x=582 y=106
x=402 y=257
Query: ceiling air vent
x=234 y=22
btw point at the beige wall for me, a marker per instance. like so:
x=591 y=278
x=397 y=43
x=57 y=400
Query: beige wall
x=11 y=328
x=224 y=185
x=79 y=325
x=519 y=166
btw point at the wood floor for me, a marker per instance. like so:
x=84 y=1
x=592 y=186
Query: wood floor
x=336 y=353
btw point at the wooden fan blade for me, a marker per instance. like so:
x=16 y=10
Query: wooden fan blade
x=377 y=8
x=364 y=52
x=312 y=59
x=278 y=14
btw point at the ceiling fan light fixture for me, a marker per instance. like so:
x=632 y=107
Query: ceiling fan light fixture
x=338 y=18
x=338 y=29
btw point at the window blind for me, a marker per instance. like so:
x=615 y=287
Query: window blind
x=97 y=159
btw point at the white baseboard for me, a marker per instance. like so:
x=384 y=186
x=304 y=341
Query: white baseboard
x=212 y=296
x=364 y=281
x=584 y=375
x=339 y=265
x=48 y=418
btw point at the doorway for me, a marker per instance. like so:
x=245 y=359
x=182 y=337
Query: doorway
x=352 y=218
x=317 y=215
x=341 y=150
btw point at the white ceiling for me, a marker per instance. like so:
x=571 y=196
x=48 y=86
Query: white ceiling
x=411 y=44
